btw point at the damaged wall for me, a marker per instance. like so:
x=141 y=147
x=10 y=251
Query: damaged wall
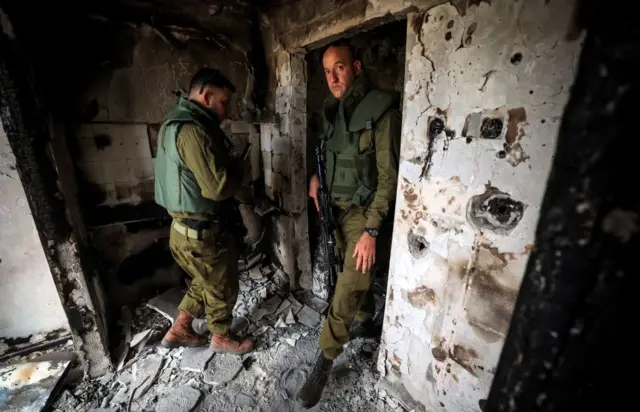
x=23 y=265
x=485 y=90
x=283 y=147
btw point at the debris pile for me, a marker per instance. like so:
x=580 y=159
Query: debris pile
x=286 y=328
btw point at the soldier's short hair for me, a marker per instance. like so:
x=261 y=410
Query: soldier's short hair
x=344 y=43
x=210 y=77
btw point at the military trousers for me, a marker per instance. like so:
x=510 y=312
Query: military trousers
x=353 y=296
x=212 y=264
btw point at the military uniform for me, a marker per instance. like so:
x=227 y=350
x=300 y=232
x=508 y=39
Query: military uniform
x=195 y=179
x=361 y=144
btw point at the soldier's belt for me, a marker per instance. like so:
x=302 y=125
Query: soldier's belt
x=197 y=234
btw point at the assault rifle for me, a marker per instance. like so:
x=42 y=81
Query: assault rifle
x=327 y=227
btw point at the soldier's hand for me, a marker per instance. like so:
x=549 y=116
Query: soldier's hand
x=365 y=252
x=314 y=185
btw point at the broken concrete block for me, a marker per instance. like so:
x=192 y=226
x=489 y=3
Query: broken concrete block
x=308 y=317
x=272 y=304
x=251 y=329
x=318 y=304
x=280 y=323
x=167 y=303
x=295 y=305
x=103 y=410
x=223 y=369
x=283 y=306
x=149 y=369
x=182 y=399
x=196 y=359
x=291 y=320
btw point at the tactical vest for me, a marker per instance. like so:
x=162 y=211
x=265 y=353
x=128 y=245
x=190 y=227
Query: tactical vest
x=176 y=188
x=352 y=175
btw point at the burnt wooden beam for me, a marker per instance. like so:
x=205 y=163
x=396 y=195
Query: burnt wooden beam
x=570 y=342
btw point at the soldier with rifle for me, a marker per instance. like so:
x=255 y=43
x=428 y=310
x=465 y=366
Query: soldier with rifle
x=354 y=195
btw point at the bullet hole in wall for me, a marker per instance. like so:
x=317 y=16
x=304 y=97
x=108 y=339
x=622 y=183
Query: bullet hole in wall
x=448 y=36
x=501 y=154
x=491 y=128
x=516 y=59
x=436 y=126
x=495 y=211
x=418 y=245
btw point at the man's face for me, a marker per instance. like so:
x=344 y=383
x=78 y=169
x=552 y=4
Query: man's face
x=216 y=100
x=340 y=70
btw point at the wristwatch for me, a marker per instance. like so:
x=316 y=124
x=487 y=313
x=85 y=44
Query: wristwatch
x=371 y=232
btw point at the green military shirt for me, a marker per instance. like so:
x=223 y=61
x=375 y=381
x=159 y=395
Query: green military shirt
x=208 y=158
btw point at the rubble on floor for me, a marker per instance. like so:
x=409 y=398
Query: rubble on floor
x=286 y=328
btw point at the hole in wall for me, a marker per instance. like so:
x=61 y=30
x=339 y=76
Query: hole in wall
x=516 y=58
x=436 y=126
x=418 y=245
x=495 y=210
x=491 y=128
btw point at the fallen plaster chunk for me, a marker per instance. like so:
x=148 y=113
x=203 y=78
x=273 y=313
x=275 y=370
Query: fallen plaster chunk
x=139 y=337
x=244 y=286
x=280 y=323
x=291 y=342
x=196 y=359
x=305 y=333
x=182 y=399
x=103 y=410
x=223 y=369
x=291 y=320
x=308 y=317
x=251 y=329
x=261 y=330
x=167 y=303
x=256 y=274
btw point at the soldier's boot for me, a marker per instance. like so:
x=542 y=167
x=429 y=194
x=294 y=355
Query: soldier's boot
x=367 y=329
x=311 y=392
x=181 y=333
x=230 y=344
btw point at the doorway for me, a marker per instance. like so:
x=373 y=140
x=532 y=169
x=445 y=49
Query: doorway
x=382 y=53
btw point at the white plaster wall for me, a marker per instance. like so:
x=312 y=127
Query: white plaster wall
x=29 y=303
x=450 y=302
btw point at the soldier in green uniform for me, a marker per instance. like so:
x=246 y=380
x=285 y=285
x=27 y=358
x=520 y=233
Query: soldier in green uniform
x=196 y=179
x=361 y=137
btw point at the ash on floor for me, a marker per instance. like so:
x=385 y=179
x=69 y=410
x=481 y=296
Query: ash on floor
x=286 y=330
